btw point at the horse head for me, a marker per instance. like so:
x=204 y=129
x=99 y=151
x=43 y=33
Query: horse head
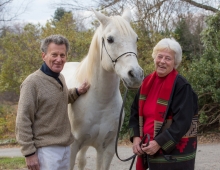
x=118 y=48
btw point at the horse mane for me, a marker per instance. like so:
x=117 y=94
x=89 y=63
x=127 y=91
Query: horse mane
x=85 y=69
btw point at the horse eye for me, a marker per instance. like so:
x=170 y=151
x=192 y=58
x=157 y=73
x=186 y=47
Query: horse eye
x=137 y=39
x=110 y=39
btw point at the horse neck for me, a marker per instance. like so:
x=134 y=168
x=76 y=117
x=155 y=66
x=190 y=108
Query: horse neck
x=103 y=81
x=106 y=83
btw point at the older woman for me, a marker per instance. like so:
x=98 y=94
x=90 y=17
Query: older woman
x=165 y=108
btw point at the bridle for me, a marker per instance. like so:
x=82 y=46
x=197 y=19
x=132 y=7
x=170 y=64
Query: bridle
x=114 y=61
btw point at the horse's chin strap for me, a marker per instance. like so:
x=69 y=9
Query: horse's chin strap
x=114 y=61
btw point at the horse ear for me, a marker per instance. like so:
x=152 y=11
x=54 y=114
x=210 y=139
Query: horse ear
x=127 y=14
x=101 y=17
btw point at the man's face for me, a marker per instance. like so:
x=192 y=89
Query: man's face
x=55 y=57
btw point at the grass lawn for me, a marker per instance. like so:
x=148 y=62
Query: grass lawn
x=12 y=163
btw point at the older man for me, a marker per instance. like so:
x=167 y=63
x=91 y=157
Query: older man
x=42 y=124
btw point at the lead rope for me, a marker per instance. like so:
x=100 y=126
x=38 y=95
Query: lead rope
x=117 y=136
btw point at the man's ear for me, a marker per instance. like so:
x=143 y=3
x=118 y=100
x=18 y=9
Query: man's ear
x=43 y=55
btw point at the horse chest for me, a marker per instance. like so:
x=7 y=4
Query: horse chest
x=99 y=126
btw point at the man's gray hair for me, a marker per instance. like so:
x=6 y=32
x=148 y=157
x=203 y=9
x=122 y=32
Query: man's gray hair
x=56 y=39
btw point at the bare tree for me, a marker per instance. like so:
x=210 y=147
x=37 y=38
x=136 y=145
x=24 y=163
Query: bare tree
x=151 y=15
x=75 y=5
x=157 y=15
x=3 y=5
x=203 y=5
x=9 y=11
x=209 y=5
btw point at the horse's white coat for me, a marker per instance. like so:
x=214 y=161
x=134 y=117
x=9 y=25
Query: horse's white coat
x=94 y=116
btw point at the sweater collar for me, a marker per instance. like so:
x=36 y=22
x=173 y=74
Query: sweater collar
x=45 y=69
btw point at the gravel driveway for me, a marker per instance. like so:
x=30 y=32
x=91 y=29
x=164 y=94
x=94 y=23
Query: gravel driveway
x=207 y=158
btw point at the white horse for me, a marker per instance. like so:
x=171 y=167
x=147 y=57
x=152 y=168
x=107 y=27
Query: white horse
x=94 y=116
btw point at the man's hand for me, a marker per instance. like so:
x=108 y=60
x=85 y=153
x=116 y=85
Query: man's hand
x=83 y=88
x=136 y=146
x=32 y=162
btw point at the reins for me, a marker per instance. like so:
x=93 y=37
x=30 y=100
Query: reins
x=114 y=61
x=117 y=136
x=169 y=158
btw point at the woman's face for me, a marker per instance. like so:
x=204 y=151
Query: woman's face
x=164 y=62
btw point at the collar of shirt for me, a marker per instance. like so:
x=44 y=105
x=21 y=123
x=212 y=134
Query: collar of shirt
x=48 y=71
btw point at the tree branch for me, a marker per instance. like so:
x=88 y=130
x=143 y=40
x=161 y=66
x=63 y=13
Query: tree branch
x=6 y=2
x=206 y=7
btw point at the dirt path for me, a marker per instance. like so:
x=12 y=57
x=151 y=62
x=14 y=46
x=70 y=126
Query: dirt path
x=207 y=157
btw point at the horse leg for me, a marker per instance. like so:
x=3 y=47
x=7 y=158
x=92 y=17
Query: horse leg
x=81 y=158
x=99 y=159
x=104 y=158
x=105 y=152
x=108 y=155
x=74 y=150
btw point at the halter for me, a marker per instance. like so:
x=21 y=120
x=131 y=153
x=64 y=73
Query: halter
x=114 y=61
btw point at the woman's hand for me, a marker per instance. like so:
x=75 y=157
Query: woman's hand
x=136 y=146
x=152 y=148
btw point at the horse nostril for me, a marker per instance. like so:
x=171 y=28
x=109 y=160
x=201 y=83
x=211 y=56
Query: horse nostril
x=130 y=73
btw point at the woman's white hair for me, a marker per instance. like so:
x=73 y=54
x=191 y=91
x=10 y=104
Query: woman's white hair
x=169 y=44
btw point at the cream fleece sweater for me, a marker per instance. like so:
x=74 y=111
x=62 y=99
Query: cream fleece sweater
x=42 y=118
